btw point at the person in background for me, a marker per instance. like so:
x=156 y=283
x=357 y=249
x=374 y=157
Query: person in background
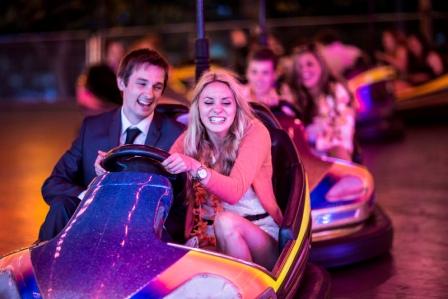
x=97 y=90
x=262 y=82
x=424 y=64
x=261 y=76
x=341 y=59
x=394 y=51
x=226 y=152
x=141 y=78
x=326 y=105
x=96 y=87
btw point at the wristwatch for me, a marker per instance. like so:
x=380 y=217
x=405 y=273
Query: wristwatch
x=201 y=173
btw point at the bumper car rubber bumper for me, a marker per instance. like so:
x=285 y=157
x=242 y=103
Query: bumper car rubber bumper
x=316 y=283
x=374 y=239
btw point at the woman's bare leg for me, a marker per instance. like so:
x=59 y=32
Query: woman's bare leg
x=240 y=238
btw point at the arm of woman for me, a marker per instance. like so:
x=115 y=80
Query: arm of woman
x=345 y=122
x=253 y=151
x=178 y=162
x=254 y=159
x=344 y=102
x=178 y=145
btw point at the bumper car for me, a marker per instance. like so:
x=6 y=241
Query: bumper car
x=347 y=225
x=430 y=98
x=114 y=245
x=377 y=117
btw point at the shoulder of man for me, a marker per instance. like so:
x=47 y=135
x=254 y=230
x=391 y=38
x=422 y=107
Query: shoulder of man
x=170 y=123
x=103 y=118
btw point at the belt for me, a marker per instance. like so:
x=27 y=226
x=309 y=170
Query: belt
x=208 y=221
x=248 y=217
x=256 y=216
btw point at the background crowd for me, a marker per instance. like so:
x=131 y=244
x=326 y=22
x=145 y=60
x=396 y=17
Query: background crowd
x=311 y=80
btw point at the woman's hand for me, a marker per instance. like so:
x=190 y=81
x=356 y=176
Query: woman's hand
x=99 y=170
x=178 y=163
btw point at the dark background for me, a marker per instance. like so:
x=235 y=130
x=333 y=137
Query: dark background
x=46 y=44
x=47 y=15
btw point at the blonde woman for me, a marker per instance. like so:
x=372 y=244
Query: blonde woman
x=227 y=153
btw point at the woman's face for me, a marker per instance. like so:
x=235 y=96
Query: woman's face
x=388 y=40
x=309 y=70
x=414 y=45
x=217 y=108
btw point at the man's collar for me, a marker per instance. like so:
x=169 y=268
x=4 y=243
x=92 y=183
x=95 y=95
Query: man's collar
x=143 y=125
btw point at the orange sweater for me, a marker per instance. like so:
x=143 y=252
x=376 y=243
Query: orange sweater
x=253 y=166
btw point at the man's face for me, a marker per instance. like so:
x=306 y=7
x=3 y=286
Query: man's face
x=140 y=95
x=261 y=76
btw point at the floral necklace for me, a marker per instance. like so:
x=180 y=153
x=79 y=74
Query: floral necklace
x=200 y=226
x=201 y=198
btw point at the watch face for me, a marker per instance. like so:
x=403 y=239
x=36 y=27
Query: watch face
x=202 y=173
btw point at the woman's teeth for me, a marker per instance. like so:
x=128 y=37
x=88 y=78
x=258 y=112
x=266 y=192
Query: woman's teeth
x=217 y=119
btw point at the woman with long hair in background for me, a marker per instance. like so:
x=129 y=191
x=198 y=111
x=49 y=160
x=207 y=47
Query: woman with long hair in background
x=327 y=106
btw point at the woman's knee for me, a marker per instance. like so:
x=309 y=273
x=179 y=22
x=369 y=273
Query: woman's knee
x=225 y=222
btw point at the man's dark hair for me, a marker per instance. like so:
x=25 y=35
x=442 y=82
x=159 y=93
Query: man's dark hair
x=139 y=57
x=264 y=54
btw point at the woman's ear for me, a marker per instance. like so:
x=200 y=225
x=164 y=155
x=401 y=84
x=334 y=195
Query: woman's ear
x=120 y=84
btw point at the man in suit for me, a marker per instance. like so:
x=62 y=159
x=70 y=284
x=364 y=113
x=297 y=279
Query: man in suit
x=142 y=78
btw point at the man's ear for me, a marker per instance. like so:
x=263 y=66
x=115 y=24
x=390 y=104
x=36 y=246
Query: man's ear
x=120 y=84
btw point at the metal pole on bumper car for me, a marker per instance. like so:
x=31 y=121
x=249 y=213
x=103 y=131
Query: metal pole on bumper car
x=201 y=44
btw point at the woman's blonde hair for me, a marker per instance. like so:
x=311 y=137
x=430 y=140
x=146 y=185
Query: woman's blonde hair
x=197 y=141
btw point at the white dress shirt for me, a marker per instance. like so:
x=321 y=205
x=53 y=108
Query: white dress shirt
x=143 y=125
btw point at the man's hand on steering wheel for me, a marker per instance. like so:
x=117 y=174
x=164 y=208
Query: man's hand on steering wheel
x=99 y=170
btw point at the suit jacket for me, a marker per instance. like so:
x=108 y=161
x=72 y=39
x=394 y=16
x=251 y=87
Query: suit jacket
x=75 y=169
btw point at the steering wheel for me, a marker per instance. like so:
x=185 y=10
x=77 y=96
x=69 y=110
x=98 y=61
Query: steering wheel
x=136 y=157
